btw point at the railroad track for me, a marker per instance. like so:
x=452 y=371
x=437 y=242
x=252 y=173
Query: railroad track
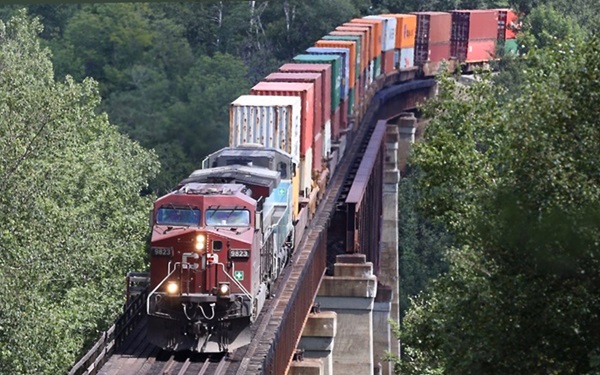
x=136 y=356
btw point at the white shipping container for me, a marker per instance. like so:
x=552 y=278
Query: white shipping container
x=272 y=121
x=388 y=36
x=306 y=173
x=407 y=58
x=327 y=140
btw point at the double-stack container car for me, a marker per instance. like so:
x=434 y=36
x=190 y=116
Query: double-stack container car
x=222 y=237
x=474 y=35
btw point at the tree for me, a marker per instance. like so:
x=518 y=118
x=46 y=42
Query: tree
x=73 y=222
x=421 y=243
x=516 y=182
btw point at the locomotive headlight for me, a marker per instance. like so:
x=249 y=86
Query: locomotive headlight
x=200 y=242
x=223 y=290
x=172 y=287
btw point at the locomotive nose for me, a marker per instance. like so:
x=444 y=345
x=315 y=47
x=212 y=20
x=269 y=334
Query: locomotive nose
x=200 y=245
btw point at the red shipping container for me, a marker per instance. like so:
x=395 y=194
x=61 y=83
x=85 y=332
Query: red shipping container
x=387 y=61
x=317 y=155
x=306 y=92
x=433 y=27
x=434 y=52
x=507 y=24
x=474 y=50
x=474 y=24
x=325 y=71
x=316 y=79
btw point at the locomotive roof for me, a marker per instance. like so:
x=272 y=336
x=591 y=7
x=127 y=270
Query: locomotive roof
x=235 y=174
x=208 y=189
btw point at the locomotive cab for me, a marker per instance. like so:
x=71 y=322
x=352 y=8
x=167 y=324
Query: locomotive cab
x=218 y=242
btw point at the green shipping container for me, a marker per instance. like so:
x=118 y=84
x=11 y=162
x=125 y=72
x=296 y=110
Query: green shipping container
x=511 y=47
x=336 y=73
x=358 y=49
x=377 y=66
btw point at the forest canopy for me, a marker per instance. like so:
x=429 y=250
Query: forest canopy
x=72 y=221
x=94 y=101
x=509 y=167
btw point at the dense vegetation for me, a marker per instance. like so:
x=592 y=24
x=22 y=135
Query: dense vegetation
x=510 y=169
x=512 y=234
x=72 y=219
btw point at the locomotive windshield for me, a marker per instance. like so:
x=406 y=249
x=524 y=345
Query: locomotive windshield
x=228 y=217
x=177 y=216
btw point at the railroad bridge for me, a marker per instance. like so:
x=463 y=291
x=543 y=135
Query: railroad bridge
x=331 y=310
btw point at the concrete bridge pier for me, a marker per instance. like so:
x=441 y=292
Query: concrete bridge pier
x=317 y=342
x=407 y=127
x=382 y=333
x=351 y=294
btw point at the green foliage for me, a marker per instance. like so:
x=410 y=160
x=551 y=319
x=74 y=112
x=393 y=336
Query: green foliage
x=421 y=244
x=544 y=26
x=517 y=183
x=73 y=222
x=297 y=24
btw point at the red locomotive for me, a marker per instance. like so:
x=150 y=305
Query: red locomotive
x=218 y=243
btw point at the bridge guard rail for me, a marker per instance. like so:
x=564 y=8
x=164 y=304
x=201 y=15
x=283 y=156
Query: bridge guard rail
x=112 y=338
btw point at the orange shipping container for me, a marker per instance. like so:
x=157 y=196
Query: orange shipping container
x=370 y=35
x=378 y=25
x=406 y=29
x=363 y=36
x=307 y=95
x=343 y=44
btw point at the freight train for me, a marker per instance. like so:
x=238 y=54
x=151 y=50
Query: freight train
x=222 y=237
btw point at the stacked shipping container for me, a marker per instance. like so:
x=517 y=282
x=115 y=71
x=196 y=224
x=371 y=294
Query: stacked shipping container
x=432 y=40
x=474 y=35
x=344 y=54
x=306 y=92
x=406 y=27
x=507 y=26
x=331 y=79
x=319 y=141
x=346 y=102
x=357 y=86
x=271 y=121
x=388 y=44
x=335 y=61
x=367 y=50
